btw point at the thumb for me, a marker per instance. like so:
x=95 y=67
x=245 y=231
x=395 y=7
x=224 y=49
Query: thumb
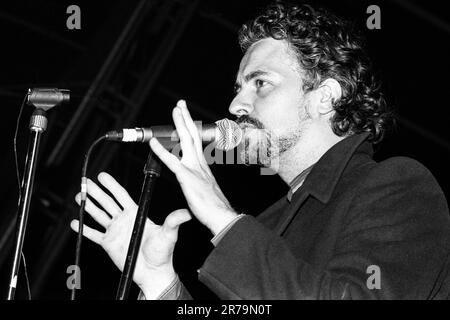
x=173 y=222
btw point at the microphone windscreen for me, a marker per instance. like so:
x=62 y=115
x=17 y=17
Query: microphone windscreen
x=228 y=134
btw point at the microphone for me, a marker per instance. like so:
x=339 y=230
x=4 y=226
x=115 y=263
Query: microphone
x=226 y=133
x=47 y=98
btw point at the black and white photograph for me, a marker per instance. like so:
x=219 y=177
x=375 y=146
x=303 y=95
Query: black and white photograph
x=212 y=151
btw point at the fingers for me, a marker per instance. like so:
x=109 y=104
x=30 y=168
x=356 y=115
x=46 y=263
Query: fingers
x=173 y=222
x=186 y=139
x=190 y=140
x=166 y=157
x=190 y=125
x=99 y=215
x=103 y=199
x=91 y=234
x=116 y=189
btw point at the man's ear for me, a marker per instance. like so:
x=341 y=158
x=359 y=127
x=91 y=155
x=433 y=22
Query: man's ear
x=330 y=91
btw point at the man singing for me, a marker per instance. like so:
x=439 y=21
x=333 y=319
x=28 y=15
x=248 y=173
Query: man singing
x=349 y=228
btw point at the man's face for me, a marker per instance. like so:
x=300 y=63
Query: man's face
x=269 y=103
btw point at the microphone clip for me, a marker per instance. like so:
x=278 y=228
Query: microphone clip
x=47 y=98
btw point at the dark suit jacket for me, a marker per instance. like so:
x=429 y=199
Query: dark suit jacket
x=353 y=222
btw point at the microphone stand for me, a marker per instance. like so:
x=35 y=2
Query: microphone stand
x=38 y=124
x=152 y=171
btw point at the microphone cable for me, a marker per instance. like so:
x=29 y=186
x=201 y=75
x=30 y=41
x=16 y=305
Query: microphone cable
x=81 y=212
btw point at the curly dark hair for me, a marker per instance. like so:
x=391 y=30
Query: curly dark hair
x=327 y=46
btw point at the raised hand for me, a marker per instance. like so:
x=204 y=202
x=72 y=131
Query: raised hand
x=204 y=197
x=154 y=269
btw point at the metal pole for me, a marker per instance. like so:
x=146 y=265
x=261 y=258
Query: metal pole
x=152 y=171
x=38 y=124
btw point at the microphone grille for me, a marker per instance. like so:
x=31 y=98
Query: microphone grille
x=229 y=134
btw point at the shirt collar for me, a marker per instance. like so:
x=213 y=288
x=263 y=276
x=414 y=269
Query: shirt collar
x=297 y=181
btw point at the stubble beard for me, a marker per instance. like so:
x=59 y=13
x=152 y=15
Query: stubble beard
x=263 y=147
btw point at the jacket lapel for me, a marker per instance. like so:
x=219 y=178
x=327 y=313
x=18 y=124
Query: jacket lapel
x=323 y=178
x=296 y=203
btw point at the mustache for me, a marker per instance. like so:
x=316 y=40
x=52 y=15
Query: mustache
x=251 y=121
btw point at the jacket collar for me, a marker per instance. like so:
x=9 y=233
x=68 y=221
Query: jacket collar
x=325 y=174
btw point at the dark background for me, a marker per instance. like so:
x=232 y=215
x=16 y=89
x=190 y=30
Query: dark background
x=136 y=60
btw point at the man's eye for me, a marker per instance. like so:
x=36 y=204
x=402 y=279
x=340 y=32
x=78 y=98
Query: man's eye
x=260 y=83
x=236 y=88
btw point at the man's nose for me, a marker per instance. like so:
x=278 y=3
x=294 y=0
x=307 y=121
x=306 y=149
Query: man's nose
x=240 y=107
